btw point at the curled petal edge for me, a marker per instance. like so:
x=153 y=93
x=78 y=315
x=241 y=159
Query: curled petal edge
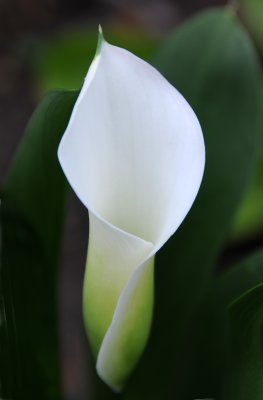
x=119 y=263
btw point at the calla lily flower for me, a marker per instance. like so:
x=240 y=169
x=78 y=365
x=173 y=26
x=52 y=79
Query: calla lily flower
x=134 y=154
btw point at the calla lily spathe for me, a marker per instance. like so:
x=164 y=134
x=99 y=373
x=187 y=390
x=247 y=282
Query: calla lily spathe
x=134 y=154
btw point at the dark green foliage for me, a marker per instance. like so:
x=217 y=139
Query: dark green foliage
x=244 y=377
x=211 y=61
x=33 y=211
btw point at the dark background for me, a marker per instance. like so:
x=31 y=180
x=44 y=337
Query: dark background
x=24 y=26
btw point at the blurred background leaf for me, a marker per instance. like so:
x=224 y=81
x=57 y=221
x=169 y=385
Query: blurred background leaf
x=249 y=219
x=248 y=222
x=211 y=61
x=213 y=333
x=240 y=278
x=244 y=377
x=33 y=212
x=252 y=13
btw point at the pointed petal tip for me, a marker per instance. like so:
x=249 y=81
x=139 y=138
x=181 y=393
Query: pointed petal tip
x=100 y=33
x=100 y=40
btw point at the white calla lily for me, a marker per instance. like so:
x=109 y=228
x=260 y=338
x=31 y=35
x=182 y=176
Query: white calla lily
x=134 y=154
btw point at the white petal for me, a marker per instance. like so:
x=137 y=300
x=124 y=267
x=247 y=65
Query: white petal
x=113 y=256
x=133 y=150
x=129 y=330
x=134 y=154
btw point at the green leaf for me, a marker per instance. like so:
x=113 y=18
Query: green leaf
x=244 y=378
x=252 y=12
x=241 y=277
x=211 y=61
x=211 y=345
x=249 y=218
x=35 y=186
x=33 y=211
